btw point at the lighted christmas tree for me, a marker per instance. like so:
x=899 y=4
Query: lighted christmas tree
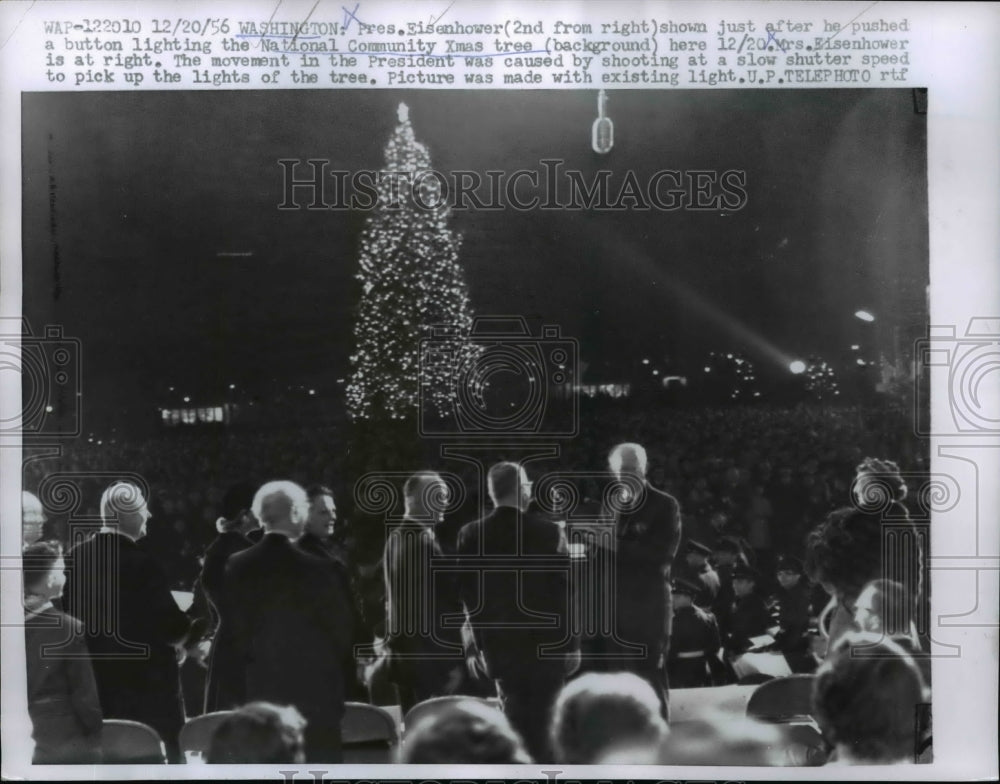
x=411 y=282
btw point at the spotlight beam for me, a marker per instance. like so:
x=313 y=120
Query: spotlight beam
x=625 y=253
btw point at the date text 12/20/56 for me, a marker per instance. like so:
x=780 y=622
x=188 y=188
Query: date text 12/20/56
x=179 y=26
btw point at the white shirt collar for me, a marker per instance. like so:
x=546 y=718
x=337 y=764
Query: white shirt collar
x=107 y=530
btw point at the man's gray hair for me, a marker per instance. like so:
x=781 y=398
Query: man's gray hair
x=273 y=503
x=120 y=498
x=628 y=453
x=503 y=481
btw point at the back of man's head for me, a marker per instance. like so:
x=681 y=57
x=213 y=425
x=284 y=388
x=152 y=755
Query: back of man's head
x=425 y=496
x=507 y=483
x=281 y=506
x=123 y=506
x=259 y=733
x=599 y=711
x=465 y=733
x=628 y=458
x=864 y=698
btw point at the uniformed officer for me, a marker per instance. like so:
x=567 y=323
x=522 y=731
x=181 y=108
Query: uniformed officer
x=695 y=646
x=698 y=570
x=727 y=554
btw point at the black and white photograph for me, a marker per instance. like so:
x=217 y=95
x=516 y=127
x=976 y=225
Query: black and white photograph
x=479 y=427
x=604 y=426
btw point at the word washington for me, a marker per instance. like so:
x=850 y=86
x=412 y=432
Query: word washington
x=309 y=184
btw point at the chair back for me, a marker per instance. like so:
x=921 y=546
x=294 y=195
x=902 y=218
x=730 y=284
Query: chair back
x=196 y=734
x=126 y=742
x=368 y=734
x=782 y=700
x=804 y=745
x=437 y=705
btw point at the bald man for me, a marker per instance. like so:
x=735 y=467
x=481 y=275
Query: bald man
x=132 y=625
x=647 y=534
x=291 y=620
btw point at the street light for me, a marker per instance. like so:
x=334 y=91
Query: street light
x=864 y=315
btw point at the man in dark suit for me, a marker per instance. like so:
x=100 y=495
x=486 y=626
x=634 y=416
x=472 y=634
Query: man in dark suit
x=319 y=539
x=63 y=703
x=291 y=620
x=426 y=654
x=647 y=532
x=132 y=624
x=515 y=587
x=223 y=690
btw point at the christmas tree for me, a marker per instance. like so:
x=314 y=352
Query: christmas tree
x=411 y=284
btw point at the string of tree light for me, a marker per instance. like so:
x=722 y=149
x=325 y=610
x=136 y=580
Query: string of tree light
x=411 y=282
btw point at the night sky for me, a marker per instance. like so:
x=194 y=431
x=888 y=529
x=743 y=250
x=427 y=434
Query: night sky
x=148 y=189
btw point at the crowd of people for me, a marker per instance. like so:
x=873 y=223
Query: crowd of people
x=743 y=544
x=767 y=475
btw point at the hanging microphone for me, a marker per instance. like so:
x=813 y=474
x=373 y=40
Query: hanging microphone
x=602 y=135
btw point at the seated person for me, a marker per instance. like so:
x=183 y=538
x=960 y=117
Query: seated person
x=749 y=616
x=259 y=733
x=468 y=733
x=727 y=553
x=63 y=701
x=598 y=712
x=865 y=698
x=792 y=600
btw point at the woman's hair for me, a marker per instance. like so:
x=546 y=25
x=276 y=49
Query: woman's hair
x=865 y=698
x=599 y=711
x=467 y=732
x=877 y=484
x=259 y=733
x=845 y=551
x=37 y=561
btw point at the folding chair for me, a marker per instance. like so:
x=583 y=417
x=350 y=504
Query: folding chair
x=368 y=734
x=782 y=699
x=126 y=742
x=196 y=734
x=788 y=702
